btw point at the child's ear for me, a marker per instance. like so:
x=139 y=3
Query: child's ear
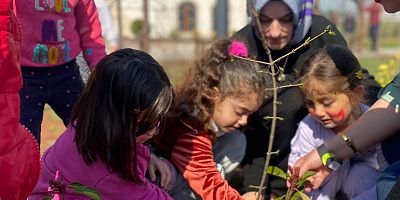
x=215 y=93
x=359 y=91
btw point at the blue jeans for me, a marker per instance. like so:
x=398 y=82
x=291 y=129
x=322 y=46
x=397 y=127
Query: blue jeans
x=373 y=34
x=57 y=86
x=387 y=179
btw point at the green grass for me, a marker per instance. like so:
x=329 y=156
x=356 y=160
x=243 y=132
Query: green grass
x=389 y=42
x=372 y=63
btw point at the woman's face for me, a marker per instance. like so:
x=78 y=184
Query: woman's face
x=390 y=6
x=276 y=20
x=231 y=113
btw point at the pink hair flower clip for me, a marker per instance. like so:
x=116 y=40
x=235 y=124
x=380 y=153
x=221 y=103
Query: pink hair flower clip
x=238 y=49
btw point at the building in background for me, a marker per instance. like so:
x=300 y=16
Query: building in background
x=183 y=19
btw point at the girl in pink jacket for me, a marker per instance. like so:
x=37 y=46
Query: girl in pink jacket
x=53 y=34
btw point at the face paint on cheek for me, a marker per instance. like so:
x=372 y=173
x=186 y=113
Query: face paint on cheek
x=338 y=116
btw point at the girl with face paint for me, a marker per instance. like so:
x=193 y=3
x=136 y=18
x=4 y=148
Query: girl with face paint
x=285 y=24
x=380 y=124
x=333 y=92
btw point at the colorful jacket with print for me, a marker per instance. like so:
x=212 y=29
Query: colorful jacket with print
x=55 y=32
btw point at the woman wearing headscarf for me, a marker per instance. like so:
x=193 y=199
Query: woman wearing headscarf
x=286 y=24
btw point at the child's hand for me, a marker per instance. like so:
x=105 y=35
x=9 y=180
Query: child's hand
x=157 y=164
x=319 y=177
x=314 y=182
x=250 y=196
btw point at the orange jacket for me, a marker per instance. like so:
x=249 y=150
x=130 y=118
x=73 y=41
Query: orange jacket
x=189 y=147
x=19 y=152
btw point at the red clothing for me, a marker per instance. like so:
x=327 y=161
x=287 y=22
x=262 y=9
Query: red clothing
x=19 y=153
x=189 y=147
x=374 y=13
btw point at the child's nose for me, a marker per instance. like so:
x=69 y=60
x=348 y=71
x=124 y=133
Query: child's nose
x=243 y=120
x=153 y=131
x=319 y=111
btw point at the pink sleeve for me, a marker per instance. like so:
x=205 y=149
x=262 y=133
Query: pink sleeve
x=193 y=156
x=89 y=28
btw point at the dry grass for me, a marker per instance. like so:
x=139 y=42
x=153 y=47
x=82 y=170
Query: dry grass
x=52 y=127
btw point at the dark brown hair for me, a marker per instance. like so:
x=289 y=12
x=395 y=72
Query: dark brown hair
x=126 y=95
x=335 y=66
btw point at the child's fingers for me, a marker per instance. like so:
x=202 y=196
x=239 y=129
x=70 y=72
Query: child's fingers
x=166 y=174
x=161 y=169
x=317 y=182
x=308 y=185
x=152 y=173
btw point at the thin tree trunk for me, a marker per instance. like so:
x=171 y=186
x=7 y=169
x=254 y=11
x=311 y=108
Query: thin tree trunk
x=144 y=42
x=361 y=26
x=119 y=16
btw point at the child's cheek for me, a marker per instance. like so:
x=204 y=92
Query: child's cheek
x=337 y=116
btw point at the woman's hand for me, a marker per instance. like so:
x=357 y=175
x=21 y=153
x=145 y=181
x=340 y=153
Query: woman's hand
x=160 y=165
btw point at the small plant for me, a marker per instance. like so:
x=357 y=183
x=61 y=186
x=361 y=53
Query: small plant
x=296 y=189
x=57 y=189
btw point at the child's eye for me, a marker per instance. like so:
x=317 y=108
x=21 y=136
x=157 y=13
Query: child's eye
x=239 y=113
x=327 y=103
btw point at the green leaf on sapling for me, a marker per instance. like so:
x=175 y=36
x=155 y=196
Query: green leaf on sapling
x=85 y=190
x=276 y=171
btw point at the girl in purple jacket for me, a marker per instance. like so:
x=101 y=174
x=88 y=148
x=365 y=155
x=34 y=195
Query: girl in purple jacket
x=122 y=106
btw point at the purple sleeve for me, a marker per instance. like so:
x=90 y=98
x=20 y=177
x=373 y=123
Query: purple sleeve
x=303 y=141
x=112 y=187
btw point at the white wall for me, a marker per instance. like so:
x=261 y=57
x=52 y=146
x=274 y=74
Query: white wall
x=163 y=16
